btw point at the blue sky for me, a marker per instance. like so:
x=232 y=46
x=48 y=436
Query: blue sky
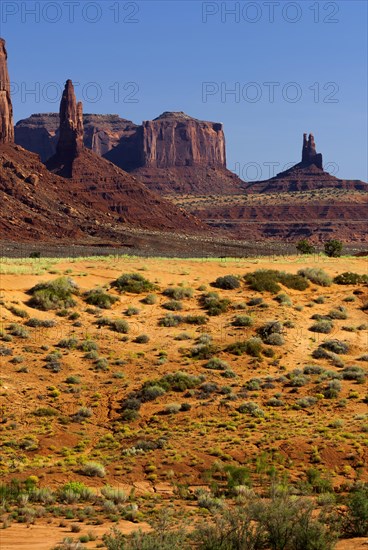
x=293 y=67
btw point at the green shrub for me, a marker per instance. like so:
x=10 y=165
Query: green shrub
x=283 y=299
x=18 y=312
x=227 y=282
x=142 y=339
x=99 y=298
x=305 y=247
x=117 y=325
x=251 y=408
x=336 y=346
x=150 y=299
x=132 y=311
x=269 y=279
x=252 y=347
x=349 y=278
x=274 y=340
x=333 y=248
x=171 y=320
x=213 y=304
x=68 y=343
x=133 y=282
x=242 y=321
x=178 y=293
x=355 y=520
x=316 y=276
x=338 y=313
x=93 y=469
x=323 y=327
x=354 y=373
x=56 y=294
x=18 y=330
x=173 y=305
x=35 y=323
x=216 y=364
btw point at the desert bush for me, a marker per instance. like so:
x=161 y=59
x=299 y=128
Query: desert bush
x=22 y=313
x=355 y=519
x=117 y=496
x=173 y=305
x=216 y=364
x=172 y=408
x=227 y=282
x=82 y=414
x=274 y=339
x=117 y=325
x=305 y=247
x=134 y=283
x=195 y=319
x=179 y=381
x=297 y=379
x=275 y=402
x=150 y=393
x=307 y=401
x=313 y=369
x=354 y=373
x=333 y=248
x=283 y=299
x=350 y=278
x=242 y=321
x=142 y=339
x=100 y=298
x=18 y=330
x=88 y=345
x=57 y=294
x=68 y=343
x=213 y=304
x=251 y=408
x=323 y=327
x=255 y=302
x=178 y=293
x=35 y=323
x=316 y=276
x=93 y=469
x=4 y=352
x=252 y=347
x=164 y=539
x=271 y=327
x=171 y=320
x=269 y=279
x=332 y=389
x=132 y=311
x=203 y=351
x=150 y=299
x=338 y=313
x=336 y=346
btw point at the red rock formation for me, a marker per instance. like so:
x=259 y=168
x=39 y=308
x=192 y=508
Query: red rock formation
x=309 y=153
x=39 y=133
x=176 y=139
x=70 y=142
x=6 y=109
x=307 y=175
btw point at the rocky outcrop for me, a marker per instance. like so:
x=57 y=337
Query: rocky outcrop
x=307 y=175
x=39 y=133
x=176 y=139
x=6 y=109
x=174 y=153
x=70 y=142
x=309 y=153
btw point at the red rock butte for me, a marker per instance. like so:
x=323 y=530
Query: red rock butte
x=6 y=109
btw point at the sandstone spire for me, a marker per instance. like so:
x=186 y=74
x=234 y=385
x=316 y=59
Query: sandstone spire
x=309 y=153
x=6 y=109
x=71 y=125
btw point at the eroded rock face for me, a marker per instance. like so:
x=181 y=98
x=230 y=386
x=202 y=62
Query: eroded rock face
x=6 y=109
x=70 y=142
x=39 y=133
x=309 y=153
x=175 y=139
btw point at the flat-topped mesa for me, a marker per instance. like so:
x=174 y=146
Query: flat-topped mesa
x=309 y=153
x=70 y=142
x=6 y=108
x=176 y=139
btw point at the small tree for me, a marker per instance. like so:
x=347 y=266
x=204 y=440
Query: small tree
x=305 y=247
x=333 y=248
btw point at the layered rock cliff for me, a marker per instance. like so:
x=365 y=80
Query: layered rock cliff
x=39 y=133
x=6 y=109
